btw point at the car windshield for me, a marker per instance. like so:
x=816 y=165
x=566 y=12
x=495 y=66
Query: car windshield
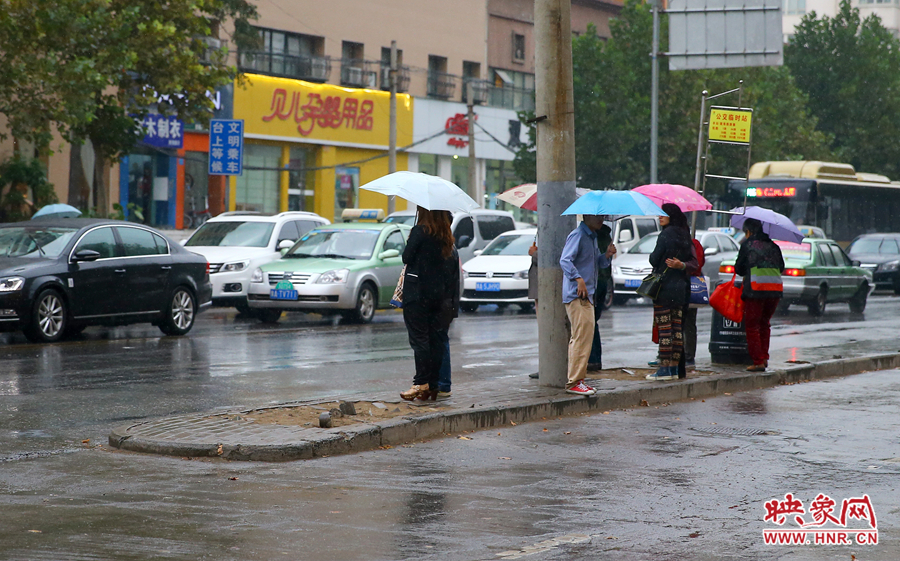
x=335 y=244
x=645 y=246
x=866 y=245
x=509 y=245
x=34 y=241
x=408 y=219
x=791 y=250
x=232 y=234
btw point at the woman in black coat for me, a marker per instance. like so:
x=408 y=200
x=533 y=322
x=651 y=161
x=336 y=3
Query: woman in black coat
x=430 y=297
x=672 y=257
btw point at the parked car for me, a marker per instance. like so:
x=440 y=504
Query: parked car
x=880 y=255
x=499 y=274
x=237 y=243
x=628 y=231
x=469 y=239
x=58 y=276
x=817 y=271
x=629 y=269
x=349 y=268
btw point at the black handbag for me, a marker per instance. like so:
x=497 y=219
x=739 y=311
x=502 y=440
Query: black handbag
x=651 y=285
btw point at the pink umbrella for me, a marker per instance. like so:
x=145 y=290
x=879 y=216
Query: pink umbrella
x=686 y=198
x=525 y=195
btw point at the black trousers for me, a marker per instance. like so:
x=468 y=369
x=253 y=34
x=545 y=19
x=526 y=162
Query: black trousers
x=424 y=326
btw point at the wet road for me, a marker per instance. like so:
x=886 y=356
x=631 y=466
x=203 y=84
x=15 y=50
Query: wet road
x=92 y=504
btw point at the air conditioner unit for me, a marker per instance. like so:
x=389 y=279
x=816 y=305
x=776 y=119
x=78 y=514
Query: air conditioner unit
x=212 y=44
x=355 y=76
x=319 y=69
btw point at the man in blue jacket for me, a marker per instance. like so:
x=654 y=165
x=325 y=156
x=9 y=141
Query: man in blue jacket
x=580 y=261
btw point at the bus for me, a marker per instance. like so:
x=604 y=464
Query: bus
x=832 y=196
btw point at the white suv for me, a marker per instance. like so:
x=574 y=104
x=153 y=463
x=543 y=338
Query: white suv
x=469 y=239
x=237 y=243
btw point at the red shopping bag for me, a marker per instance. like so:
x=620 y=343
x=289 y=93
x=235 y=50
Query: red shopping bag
x=726 y=300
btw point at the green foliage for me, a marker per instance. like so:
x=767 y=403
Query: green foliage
x=612 y=111
x=850 y=69
x=134 y=210
x=85 y=66
x=22 y=175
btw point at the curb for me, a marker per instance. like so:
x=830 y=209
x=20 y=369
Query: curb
x=403 y=430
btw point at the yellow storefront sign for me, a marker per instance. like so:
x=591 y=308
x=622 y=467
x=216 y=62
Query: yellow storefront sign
x=731 y=125
x=283 y=109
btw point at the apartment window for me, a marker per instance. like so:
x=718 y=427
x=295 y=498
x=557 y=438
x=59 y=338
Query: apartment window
x=518 y=47
x=440 y=84
x=799 y=6
x=354 y=71
x=511 y=90
x=402 y=73
x=290 y=55
x=472 y=75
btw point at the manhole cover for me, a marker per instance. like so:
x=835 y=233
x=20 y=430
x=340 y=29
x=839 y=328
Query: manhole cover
x=736 y=431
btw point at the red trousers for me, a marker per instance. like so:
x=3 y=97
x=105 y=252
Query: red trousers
x=757 y=313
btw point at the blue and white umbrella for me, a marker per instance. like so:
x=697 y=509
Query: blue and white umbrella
x=614 y=204
x=57 y=211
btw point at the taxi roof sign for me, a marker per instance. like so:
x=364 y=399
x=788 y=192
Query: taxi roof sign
x=360 y=214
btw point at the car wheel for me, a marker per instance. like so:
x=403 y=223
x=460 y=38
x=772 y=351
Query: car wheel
x=468 y=307
x=366 y=302
x=48 y=318
x=180 y=313
x=858 y=302
x=244 y=309
x=609 y=297
x=268 y=315
x=817 y=307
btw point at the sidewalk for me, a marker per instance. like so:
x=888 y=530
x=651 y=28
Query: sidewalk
x=238 y=434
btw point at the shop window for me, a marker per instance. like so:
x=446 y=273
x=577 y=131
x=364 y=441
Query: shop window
x=258 y=189
x=346 y=190
x=300 y=191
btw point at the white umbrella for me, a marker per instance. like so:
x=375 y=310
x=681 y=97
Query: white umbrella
x=427 y=191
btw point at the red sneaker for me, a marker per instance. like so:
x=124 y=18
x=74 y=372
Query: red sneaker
x=581 y=389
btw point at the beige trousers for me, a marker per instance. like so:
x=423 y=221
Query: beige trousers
x=581 y=318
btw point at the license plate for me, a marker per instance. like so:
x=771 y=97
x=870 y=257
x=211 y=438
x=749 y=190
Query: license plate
x=487 y=286
x=281 y=294
x=632 y=283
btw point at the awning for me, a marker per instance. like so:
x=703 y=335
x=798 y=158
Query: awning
x=504 y=77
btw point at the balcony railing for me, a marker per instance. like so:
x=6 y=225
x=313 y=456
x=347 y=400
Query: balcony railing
x=441 y=85
x=402 y=78
x=518 y=99
x=358 y=73
x=310 y=68
x=479 y=89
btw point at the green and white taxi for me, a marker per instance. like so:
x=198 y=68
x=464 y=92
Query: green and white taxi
x=817 y=272
x=351 y=269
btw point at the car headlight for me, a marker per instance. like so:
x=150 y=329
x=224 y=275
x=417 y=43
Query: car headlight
x=334 y=277
x=257 y=276
x=521 y=275
x=890 y=266
x=465 y=274
x=234 y=267
x=11 y=284
x=617 y=270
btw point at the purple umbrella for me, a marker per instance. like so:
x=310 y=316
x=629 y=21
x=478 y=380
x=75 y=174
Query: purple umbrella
x=778 y=226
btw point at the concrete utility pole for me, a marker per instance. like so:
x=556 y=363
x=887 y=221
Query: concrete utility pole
x=654 y=97
x=555 y=113
x=470 y=119
x=392 y=135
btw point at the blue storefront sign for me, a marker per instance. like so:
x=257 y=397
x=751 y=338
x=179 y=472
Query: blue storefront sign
x=226 y=146
x=162 y=131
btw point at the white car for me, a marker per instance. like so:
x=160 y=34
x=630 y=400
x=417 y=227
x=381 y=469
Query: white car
x=237 y=243
x=499 y=273
x=469 y=239
x=631 y=267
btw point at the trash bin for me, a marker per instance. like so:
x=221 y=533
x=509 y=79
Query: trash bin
x=727 y=341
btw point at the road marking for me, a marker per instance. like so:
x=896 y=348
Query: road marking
x=543 y=546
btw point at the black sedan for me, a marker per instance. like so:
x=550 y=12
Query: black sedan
x=57 y=276
x=880 y=254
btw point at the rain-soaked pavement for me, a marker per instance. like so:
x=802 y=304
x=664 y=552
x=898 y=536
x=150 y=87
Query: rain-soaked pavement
x=638 y=483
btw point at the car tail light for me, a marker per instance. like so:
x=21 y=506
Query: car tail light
x=795 y=272
x=726 y=269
